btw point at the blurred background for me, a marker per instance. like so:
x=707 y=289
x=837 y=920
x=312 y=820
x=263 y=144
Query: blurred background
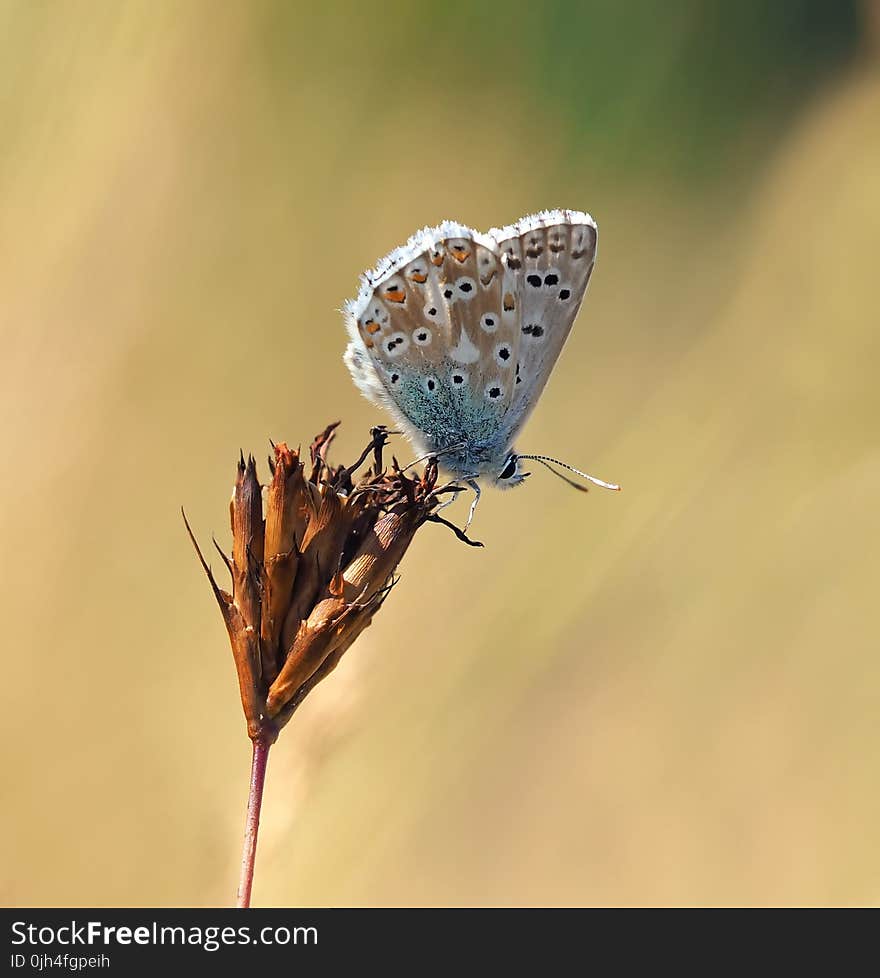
x=666 y=696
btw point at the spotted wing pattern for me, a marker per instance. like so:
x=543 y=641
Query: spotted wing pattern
x=456 y=332
x=430 y=338
x=548 y=261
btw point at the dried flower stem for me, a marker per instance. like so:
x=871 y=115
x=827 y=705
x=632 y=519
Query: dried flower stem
x=309 y=570
x=252 y=822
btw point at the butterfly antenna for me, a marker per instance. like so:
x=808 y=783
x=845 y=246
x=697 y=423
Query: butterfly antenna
x=546 y=459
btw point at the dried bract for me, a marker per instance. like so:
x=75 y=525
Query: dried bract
x=313 y=559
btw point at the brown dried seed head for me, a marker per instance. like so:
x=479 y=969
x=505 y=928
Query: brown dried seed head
x=309 y=579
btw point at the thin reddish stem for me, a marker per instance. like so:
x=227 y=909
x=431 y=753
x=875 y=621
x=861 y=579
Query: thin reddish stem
x=252 y=823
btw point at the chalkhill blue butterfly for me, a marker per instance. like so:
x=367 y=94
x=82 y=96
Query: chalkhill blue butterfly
x=456 y=333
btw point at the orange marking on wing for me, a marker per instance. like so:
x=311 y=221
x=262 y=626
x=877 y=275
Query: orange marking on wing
x=419 y=277
x=460 y=254
x=395 y=295
x=437 y=259
x=369 y=344
x=371 y=326
x=509 y=301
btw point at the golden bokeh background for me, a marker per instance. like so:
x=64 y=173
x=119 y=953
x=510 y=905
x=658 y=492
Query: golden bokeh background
x=666 y=696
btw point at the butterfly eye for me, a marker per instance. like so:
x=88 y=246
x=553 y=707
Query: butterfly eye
x=509 y=469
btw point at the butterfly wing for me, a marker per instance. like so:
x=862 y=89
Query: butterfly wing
x=434 y=337
x=548 y=259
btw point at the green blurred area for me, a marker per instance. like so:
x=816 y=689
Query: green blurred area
x=667 y=696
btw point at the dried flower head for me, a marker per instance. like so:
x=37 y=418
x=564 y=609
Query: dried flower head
x=313 y=559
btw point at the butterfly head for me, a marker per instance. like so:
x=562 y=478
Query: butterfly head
x=511 y=473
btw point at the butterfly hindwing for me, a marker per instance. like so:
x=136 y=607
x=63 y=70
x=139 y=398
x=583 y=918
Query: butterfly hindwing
x=429 y=340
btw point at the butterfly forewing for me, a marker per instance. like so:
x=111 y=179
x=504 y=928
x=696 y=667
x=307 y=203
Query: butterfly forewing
x=457 y=332
x=550 y=264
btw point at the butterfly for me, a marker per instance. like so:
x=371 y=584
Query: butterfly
x=456 y=333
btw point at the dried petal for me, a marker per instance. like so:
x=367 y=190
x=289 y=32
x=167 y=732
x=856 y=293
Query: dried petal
x=380 y=552
x=322 y=550
x=281 y=553
x=247 y=542
x=314 y=641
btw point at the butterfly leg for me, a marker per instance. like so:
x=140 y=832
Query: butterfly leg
x=472 y=483
x=456 y=492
